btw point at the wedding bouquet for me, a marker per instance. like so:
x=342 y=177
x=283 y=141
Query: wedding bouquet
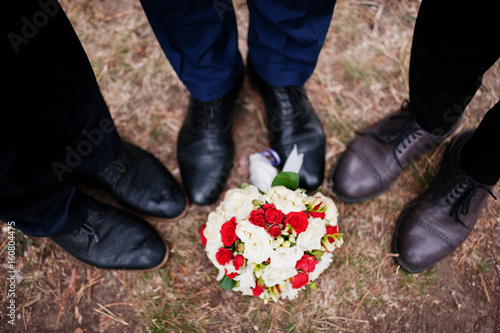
x=271 y=244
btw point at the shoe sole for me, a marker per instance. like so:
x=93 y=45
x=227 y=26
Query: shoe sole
x=160 y=265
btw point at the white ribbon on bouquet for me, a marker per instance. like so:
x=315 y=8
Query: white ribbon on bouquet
x=263 y=166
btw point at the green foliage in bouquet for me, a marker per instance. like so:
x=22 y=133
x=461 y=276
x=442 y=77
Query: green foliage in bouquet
x=289 y=180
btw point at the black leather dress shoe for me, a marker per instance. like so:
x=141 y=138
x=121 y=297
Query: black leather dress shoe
x=142 y=184
x=205 y=147
x=113 y=239
x=439 y=221
x=292 y=120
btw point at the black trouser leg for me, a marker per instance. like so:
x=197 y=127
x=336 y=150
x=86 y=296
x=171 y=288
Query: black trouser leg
x=480 y=156
x=454 y=43
x=56 y=123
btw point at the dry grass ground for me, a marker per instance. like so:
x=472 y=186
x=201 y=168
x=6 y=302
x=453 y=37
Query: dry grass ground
x=361 y=76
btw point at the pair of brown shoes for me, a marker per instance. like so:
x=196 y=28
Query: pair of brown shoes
x=434 y=224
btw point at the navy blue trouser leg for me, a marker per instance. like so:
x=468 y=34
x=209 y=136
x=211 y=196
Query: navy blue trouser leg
x=285 y=38
x=200 y=40
x=57 y=123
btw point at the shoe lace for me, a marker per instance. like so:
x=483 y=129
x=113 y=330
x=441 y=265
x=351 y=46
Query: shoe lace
x=400 y=135
x=461 y=196
x=207 y=115
x=296 y=94
x=115 y=169
x=89 y=230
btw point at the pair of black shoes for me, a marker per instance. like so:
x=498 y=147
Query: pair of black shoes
x=205 y=149
x=113 y=238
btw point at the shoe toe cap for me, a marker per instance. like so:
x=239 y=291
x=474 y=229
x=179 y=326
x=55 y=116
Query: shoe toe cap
x=149 y=189
x=353 y=178
x=149 y=254
x=205 y=179
x=312 y=170
x=165 y=201
x=114 y=239
x=313 y=167
x=135 y=243
x=418 y=245
x=416 y=258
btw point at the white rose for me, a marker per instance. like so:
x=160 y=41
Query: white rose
x=247 y=280
x=310 y=239
x=257 y=241
x=212 y=230
x=323 y=264
x=331 y=213
x=229 y=268
x=221 y=273
x=285 y=200
x=238 y=202
x=287 y=291
x=273 y=276
x=284 y=257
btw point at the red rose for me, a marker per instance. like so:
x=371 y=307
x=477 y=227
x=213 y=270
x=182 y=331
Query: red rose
x=274 y=216
x=274 y=230
x=315 y=214
x=307 y=263
x=231 y=276
x=332 y=230
x=203 y=238
x=267 y=206
x=257 y=290
x=299 y=280
x=257 y=217
x=238 y=261
x=228 y=232
x=298 y=221
x=223 y=256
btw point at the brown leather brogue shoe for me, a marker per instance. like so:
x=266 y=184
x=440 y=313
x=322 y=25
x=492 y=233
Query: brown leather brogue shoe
x=439 y=220
x=376 y=157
